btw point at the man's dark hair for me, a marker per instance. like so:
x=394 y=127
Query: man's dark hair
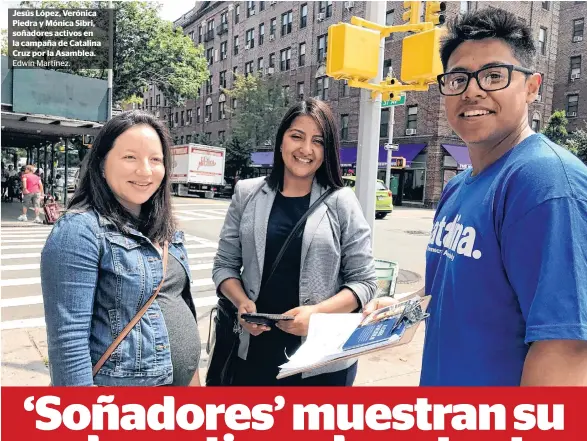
x=329 y=174
x=490 y=23
x=156 y=219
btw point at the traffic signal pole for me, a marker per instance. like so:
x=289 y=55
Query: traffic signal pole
x=390 y=141
x=369 y=123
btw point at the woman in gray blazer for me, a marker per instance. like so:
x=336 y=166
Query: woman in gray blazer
x=327 y=269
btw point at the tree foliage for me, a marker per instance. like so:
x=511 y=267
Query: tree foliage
x=556 y=131
x=147 y=50
x=4 y=42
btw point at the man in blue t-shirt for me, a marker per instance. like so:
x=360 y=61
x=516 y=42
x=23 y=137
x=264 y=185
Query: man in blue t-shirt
x=506 y=264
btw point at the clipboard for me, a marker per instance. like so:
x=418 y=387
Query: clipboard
x=411 y=326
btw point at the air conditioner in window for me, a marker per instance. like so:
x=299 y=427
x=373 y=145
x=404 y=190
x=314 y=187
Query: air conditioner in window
x=575 y=76
x=410 y=132
x=271 y=37
x=270 y=70
x=577 y=38
x=247 y=46
x=321 y=16
x=252 y=12
x=223 y=116
x=538 y=98
x=206 y=119
x=272 y=3
x=572 y=114
x=349 y=5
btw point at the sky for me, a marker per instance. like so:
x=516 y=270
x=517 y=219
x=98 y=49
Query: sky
x=171 y=10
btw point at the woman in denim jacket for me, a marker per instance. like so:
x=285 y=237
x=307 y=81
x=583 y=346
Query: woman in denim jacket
x=103 y=260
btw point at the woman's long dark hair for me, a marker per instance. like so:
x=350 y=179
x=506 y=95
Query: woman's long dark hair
x=329 y=173
x=156 y=219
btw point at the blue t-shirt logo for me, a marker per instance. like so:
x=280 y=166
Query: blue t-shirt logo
x=453 y=238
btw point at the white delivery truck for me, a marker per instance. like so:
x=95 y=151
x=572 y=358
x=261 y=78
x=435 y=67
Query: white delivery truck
x=197 y=170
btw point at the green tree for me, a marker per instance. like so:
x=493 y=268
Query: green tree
x=578 y=142
x=147 y=50
x=556 y=128
x=4 y=42
x=238 y=158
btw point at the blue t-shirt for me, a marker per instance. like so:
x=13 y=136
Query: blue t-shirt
x=506 y=265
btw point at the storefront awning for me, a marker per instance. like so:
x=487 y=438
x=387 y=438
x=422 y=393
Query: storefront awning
x=460 y=153
x=348 y=155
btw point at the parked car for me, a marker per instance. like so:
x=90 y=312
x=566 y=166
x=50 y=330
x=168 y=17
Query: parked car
x=384 y=201
x=71 y=178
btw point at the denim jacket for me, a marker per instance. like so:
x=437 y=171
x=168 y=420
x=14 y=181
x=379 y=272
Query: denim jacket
x=95 y=278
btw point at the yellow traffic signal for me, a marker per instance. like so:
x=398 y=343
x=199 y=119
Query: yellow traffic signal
x=353 y=52
x=421 y=57
x=434 y=12
x=412 y=13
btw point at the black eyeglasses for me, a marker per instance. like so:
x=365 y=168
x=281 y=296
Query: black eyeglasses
x=489 y=79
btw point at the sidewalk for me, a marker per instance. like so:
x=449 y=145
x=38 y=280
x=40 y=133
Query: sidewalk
x=11 y=211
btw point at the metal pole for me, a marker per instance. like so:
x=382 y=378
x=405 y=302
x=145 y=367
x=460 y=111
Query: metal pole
x=66 y=174
x=110 y=59
x=369 y=126
x=45 y=166
x=389 y=151
x=52 y=163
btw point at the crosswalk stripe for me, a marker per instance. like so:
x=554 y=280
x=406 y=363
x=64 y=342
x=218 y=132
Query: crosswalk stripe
x=34 y=266
x=191 y=218
x=24 y=236
x=38 y=300
x=24 y=323
x=22 y=247
x=19 y=256
x=23 y=229
x=24 y=240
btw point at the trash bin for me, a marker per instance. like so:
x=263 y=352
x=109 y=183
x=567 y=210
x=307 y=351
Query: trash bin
x=386 y=277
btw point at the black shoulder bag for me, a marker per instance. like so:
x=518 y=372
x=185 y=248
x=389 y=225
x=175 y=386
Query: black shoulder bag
x=227 y=327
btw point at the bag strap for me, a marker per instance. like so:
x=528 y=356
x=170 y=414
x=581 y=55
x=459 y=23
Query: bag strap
x=294 y=232
x=135 y=319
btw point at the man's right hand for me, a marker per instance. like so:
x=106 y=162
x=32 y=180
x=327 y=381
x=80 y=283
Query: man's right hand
x=248 y=306
x=378 y=303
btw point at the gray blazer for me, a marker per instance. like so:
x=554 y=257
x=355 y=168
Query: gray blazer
x=336 y=249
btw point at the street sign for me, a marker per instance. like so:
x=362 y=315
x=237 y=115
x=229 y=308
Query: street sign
x=392 y=147
x=400 y=102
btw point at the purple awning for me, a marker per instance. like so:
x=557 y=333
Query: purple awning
x=460 y=153
x=262 y=159
x=348 y=156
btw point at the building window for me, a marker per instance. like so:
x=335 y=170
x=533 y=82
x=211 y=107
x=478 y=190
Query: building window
x=465 y=7
x=224 y=18
x=285 y=92
x=250 y=39
x=158 y=100
x=301 y=90
x=190 y=118
x=546 y=6
x=346 y=90
x=572 y=105
x=384 y=124
x=210 y=31
x=222 y=82
x=200 y=34
x=234 y=104
x=237 y=13
x=412 y=122
x=285 y=59
x=261 y=6
x=271 y=60
x=248 y=68
x=208 y=110
x=386 y=68
x=261 y=33
x=578 y=29
x=541 y=87
x=389 y=18
x=221 y=136
x=188 y=139
x=272 y=27
x=236 y=45
x=325 y=8
x=198 y=114
x=224 y=50
x=575 y=68
x=542 y=41
x=286 y=21
x=302 y=55
x=181 y=139
x=322 y=46
x=260 y=65
x=221 y=107
x=250 y=9
x=536 y=123
x=344 y=127
x=192 y=35
x=304 y=16
x=322 y=88
x=210 y=55
x=182 y=119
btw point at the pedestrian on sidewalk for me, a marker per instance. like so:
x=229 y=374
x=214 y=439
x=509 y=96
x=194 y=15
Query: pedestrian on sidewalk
x=328 y=266
x=507 y=263
x=109 y=257
x=32 y=193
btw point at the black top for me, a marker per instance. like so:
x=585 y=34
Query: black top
x=178 y=312
x=281 y=293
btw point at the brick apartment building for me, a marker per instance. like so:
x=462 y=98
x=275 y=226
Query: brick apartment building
x=570 y=88
x=289 y=39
